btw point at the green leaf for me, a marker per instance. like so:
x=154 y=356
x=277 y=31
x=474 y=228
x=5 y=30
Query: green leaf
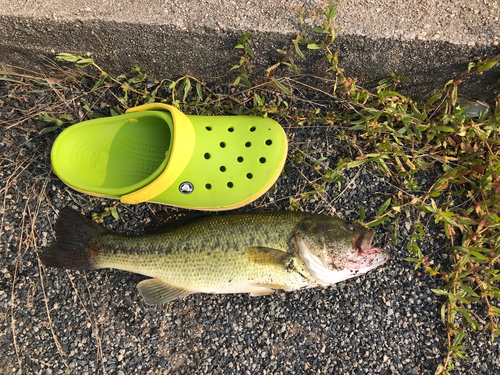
x=384 y=94
x=299 y=156
x=45 y=117
x=469 y=290
x=84 y=62
x=377 y=222
x=458 y=338
x=361 y=214
x=486 y=66
x=454 y=94
x=187 y=88
x=355 y=163
x=235 y=67
x=293 y=66
x=245 y=38
x=114 y=213
x=237 y=81
x=448 y=83
x=198 y=91
x=100 y=81
x=433 y=99
x=411 y=259
x=440 y=292
x=413 y=248
x=382 y=164
x=239 y=46
x=384 y=207
x=281 y=87
x=357 y=127
x=67 y=57
x=456 y=348
x=495 y=310
x=445 y=129
x=331 y=11
x=50 y=129
x=449 y=221
x=314 y=46
x=443 y=313
x=66 y=118
x=478 y=255
x=319 y=30
x=306 y=41
x=247 y=82
x=298 y=51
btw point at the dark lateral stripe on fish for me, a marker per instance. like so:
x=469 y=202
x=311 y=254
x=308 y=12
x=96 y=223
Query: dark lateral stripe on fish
x=75 y=246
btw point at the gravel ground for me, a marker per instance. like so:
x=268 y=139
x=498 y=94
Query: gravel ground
x=386 y=322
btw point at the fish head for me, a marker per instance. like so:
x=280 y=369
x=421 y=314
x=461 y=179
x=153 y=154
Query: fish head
x=334 y=249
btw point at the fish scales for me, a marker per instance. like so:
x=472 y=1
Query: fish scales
x=209 y=254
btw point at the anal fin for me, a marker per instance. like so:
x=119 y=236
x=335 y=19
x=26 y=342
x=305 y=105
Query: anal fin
x=154 y=291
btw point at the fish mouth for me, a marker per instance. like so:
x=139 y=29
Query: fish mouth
x=366 y=257
x=363 y=243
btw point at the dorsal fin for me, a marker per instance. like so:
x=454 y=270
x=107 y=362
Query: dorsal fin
x=163 y=222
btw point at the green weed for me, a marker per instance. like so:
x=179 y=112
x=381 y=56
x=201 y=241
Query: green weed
x=57 y=121
x=395 y=136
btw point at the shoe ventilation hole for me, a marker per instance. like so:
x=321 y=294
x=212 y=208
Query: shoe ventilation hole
x=269 y=142
x=240 y=159
x=230 y=130
x=262 y=160
x=252 y=129
x=209 y=128
x=248 y=144
x=222 y=168
x=249 y=176
x=208 y=186
x=207 y=155
x=230 y=185
x=222 y=144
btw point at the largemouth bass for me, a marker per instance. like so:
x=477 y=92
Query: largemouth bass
x=257 y=253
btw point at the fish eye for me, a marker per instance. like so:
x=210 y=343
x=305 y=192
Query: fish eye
x=349 y=226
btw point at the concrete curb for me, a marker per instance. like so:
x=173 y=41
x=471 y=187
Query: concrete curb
x=170 y=44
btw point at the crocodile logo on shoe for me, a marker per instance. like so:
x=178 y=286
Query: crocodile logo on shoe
x=186 y=188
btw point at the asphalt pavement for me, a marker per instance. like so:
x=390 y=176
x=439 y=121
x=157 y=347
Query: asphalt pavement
x=95 y=322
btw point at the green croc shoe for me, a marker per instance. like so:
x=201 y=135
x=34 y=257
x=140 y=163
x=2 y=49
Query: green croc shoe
x=155 y=153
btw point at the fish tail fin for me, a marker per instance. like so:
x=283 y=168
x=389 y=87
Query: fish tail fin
x=76 y=242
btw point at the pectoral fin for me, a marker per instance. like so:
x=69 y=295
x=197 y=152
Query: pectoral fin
x=262 y=292
x=268 y=256
x=154 y=291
